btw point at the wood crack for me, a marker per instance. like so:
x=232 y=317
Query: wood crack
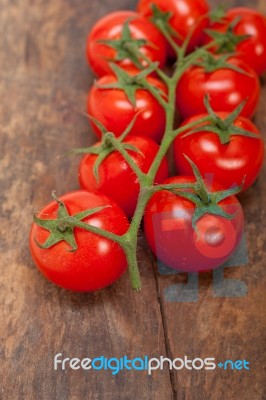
x=164 y=325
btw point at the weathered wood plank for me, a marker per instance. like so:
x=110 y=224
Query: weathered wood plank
x=225 y=328
x=43 y=85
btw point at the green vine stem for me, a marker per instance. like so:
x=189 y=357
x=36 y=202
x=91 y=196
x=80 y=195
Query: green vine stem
x=147 y=188
x=129 y=240
x=116 y=144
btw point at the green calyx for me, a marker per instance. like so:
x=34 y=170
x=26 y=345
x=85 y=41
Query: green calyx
x=62 y=227
x=218 y=14
x=223 y=128
x=161 y=19
x=206 y=202
x=227 y=41
x=130 y=83
x=109 y=144
x=210 y=62
x=127 y=47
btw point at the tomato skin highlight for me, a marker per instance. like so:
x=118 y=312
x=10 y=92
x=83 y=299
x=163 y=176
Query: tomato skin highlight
x=229 y=164
x=98 y=262
x=252 y=50
x=113 y=109
x=226 y=89
x=171 y=237
x=116 y=178
x=110 y=28
x=185 y=15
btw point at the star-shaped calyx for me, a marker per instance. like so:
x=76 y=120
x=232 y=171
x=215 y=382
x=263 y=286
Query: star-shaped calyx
x=62 y=227
x=227 y=41
x=223 y=128
x=129 y=83
x=162 y=20
x=217 y=14
x=127 y=47
x=109 y=143
x=206 y=202
x=210 y=62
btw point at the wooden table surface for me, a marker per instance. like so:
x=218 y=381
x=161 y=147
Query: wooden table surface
x=44 y=80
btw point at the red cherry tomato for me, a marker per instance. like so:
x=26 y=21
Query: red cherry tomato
x=253 y=49
x=113 y=109
x=97 y=262
x=187 y=16
x=116 y=178
x=110 y=28
x=230 y=163
x=171 y=237
x=226 y=88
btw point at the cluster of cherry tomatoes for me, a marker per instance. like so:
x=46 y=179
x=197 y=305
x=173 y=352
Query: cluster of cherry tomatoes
x=186 y=232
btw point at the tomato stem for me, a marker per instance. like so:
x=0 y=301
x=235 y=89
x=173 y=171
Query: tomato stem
x=129 y=241
x=130 y=84
x=117 y=145
x=146 y=181
x=130 y=248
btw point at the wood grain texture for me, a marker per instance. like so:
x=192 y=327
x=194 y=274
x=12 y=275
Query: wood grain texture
x=226 y=328
x=44 y=81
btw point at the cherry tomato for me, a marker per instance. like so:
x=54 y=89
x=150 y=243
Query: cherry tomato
x=114 y=110
x=97 y=262
x=171 y=237
x=253 y=49
x=187 y=15
x=226 y=88
x=230 y=163
x=116 y=178
x=110 y=28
